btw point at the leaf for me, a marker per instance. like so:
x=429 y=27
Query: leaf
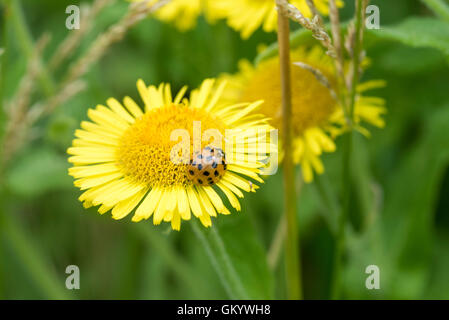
x=408 y=216
x=38 y=171
x=416 y=32
x=237 y=256
x=439 y=278
x=299 y=37
x=399 y=59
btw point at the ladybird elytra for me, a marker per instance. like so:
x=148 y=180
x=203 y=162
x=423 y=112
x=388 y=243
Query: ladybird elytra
x=207 y=168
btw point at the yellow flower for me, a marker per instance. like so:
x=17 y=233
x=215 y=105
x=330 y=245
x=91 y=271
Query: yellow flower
x=125 y=158
x=182 y=13
x=317 y=117
x=248 y=15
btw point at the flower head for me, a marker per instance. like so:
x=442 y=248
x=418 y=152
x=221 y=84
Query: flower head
x=183 y=13
x=168 y=160
x=246 y=16
x=317 y=117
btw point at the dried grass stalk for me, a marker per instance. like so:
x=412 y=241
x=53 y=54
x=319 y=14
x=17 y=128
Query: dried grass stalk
x=319 y=76
x=136 y=12
x=18 y=106
x=318 y=31
x=20 y=123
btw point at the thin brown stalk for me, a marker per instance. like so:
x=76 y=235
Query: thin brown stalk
x=73 y=84
x=319 y=76
x=292 y=254
x=358 y=53
x=137 y=11
x=339 y=56
x=318 y=31
x=315 y=12
x=336 y=36
x=18 y=106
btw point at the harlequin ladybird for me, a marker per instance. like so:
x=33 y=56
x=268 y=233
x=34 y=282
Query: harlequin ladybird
x=207 y=168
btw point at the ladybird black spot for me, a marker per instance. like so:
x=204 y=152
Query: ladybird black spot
x=225 y=166
x=200 y=181
x=200 y=166
x=191 y=172
x=206 y=173
x=210 y=179
x=216 y=173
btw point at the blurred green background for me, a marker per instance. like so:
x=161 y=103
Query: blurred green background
x=400 y=203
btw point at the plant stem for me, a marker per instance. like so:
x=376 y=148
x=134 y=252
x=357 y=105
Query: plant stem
x=439 y=7
x=185 y=272
x=220 y=260
x=347 y=151
x=343 y=217
x=40 y=271
x=329 y=200
x=360 y=8
x=292 y=253
x=276 y=244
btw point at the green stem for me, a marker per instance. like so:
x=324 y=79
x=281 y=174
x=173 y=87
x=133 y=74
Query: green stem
x=329 y=200
x=220 y=260
x=25 y=39
x=439 y=7
x=342 y=219
x=347 y=153
x=179 y=266
x=356 y=58
x=292 y=248
x=51 y=286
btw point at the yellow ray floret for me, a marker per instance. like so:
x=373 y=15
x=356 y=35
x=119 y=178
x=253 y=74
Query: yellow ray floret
x=246 y=16
x=183 y=14
x=123 y=158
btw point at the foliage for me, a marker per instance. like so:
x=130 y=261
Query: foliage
x=399 y=214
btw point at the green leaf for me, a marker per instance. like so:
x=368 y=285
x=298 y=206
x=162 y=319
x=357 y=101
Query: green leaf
x=408 y=216
x=32 y=257
x=237 y=256
x=38 y=171
x=299 y=37
x=399 y=59
x=439 y=279
x=416 y=32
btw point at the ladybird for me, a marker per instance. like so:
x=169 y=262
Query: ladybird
x=207 y=168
